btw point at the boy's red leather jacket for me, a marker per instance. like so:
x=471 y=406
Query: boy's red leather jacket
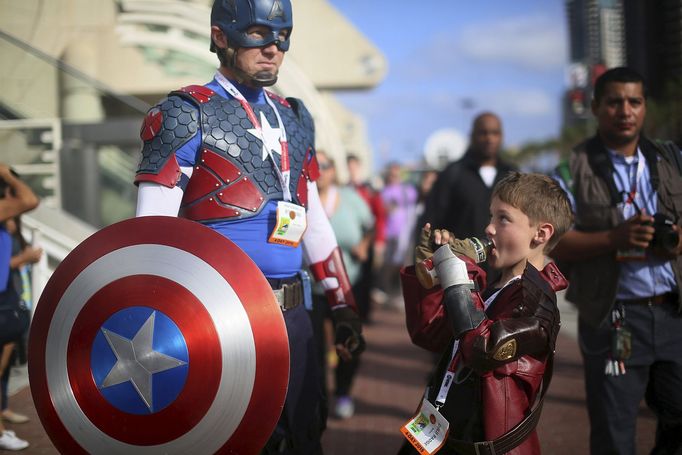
x=506 y=354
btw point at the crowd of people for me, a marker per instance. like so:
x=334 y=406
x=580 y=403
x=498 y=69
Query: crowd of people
x=610 y=216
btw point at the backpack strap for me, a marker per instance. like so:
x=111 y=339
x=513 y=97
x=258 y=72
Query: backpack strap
x=563 y=169
x=651 y=152
x=601 y=164
x=671 y=152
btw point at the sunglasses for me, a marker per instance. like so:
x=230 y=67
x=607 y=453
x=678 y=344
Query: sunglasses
x=325 y=166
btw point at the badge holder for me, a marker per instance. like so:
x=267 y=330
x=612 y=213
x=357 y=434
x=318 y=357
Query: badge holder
x=621 y=343
x=428 y=430
x=290 y=225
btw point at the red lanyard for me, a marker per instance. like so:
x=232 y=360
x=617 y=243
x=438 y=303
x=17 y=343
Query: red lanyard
x=284 y=174
x=632 y=194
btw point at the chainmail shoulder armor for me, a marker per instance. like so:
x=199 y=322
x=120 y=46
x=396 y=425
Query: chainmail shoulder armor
x=166 y=128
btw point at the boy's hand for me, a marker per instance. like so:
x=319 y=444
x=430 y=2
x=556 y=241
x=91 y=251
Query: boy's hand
x=451 y=270
x=423 y=250
x=423 y=266
x=430 y=240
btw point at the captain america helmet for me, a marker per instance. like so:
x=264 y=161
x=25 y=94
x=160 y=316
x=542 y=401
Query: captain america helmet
x=234 y=17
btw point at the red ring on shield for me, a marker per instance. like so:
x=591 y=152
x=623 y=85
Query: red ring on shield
x=270 y=343
x=201 y=384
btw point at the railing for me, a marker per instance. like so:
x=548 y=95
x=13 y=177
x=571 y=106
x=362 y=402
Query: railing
x=45 y=227
x=84 y=163
x=66 y=162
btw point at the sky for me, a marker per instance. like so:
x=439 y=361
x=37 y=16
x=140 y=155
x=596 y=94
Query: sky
x=451 y=59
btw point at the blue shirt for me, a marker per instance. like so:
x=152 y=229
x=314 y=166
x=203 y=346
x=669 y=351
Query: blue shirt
x=5 y=256
x=251 y=234
x=652 y=276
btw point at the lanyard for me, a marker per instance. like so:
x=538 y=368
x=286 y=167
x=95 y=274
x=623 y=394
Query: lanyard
x=284 y=174
x=449 y=376
x=632 y=194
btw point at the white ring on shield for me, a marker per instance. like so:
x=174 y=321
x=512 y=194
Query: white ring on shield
x=226 y=312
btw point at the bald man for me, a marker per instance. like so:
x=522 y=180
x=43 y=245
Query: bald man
x=459 y=200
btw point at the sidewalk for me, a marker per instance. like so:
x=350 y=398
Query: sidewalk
x=389 y=387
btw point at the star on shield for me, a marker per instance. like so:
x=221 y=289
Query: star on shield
x=268 y=135
x=137 y=361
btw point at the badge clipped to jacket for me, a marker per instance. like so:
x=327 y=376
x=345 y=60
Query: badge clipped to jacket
x=428 y=430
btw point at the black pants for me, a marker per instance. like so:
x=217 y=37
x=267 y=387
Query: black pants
x=653 y=372
x=365 y=283
x=303 y=419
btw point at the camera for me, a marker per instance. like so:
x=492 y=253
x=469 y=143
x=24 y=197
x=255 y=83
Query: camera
x=665 y=238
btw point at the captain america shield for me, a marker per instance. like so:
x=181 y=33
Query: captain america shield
x=158 y=335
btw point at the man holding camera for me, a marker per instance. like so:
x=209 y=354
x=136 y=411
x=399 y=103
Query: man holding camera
x=626 y=269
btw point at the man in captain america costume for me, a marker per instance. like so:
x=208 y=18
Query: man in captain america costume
x=241 y=160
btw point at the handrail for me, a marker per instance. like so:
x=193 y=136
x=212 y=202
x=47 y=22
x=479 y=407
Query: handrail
x=131 y=101
x=56 y=246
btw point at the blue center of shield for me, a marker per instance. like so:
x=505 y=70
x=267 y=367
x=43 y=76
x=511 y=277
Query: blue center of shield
x=139 y=360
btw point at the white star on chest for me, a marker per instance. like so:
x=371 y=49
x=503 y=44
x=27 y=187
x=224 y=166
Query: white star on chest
x=268 y=135
x=137 y=361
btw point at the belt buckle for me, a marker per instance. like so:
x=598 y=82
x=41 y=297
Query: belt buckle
x=484 y=448
x=279 y=296
x=288 y=290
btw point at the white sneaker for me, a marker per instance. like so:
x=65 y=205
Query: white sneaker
x=345 y=408
x=378 y=296
x=9 y=441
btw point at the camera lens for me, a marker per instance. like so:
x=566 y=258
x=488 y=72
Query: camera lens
x=668 y=240
x=665 y=238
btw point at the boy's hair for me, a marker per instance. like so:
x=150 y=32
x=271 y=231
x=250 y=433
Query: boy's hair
x=540 y=198
x=621 y=74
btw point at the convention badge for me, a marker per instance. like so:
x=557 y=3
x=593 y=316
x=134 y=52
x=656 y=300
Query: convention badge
x=290 y=226
x=621 y=348
x=428 y=430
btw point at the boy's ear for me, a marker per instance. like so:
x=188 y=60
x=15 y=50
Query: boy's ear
x=544 y=232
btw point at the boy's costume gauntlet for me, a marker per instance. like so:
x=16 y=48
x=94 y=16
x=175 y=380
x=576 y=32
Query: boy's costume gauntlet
x=463 y=314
